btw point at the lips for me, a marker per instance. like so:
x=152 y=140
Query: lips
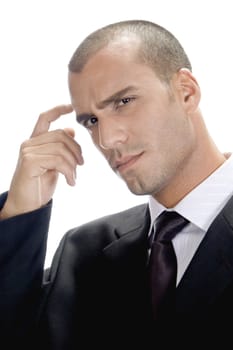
x=125 y=162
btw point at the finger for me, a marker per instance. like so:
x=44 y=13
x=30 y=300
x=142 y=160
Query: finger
x=70 y=132
x=57 y=136
x=45 y=119
x=37 y=165
x=53 y=149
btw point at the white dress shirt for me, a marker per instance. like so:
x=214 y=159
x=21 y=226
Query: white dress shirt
x=200 y=207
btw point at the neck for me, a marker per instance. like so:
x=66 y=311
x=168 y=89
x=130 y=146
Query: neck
x=205 y=159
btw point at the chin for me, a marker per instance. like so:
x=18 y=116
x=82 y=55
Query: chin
x=137 y=188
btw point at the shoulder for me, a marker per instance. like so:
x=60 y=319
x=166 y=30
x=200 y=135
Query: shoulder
x=122 y=222
x=87 y=242
x=99 y=233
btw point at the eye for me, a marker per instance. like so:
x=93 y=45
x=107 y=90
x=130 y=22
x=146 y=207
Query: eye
x=121 y=103
x=124 y=101
x=90 y=122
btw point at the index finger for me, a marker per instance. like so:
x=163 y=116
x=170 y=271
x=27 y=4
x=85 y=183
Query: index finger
x=46 y=118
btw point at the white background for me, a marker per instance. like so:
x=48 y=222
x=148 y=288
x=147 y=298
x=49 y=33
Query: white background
x=37 y=39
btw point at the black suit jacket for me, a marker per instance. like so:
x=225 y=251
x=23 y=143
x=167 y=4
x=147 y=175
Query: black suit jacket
x=96 y=293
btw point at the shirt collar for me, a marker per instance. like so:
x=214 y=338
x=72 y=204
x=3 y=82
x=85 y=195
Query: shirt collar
x=205 y=201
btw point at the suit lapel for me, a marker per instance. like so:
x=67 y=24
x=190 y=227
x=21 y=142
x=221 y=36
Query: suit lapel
x=211 y=268
x=132 y=233
x=126 y=263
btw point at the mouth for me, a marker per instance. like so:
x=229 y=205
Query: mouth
x=125 y=163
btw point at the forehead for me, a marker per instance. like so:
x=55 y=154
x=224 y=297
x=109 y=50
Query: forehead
x=110 y=70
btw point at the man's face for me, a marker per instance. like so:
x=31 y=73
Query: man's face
x=135 y=120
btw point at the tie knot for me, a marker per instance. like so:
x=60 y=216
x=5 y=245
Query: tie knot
x=168 y=224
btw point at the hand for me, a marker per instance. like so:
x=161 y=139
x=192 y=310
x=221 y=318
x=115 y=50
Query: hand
x=41 y=159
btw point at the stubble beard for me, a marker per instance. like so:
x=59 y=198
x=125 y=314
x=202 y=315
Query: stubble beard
x=146 y=184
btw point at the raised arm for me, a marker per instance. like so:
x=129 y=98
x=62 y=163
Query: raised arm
x=24 y=222
x=41 y=159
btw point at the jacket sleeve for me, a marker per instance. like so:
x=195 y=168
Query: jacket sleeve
x=22 y=252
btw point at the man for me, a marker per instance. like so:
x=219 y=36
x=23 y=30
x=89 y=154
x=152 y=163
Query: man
x=132 y=88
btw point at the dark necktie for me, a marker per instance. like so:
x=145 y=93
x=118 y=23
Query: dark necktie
x=162 y=263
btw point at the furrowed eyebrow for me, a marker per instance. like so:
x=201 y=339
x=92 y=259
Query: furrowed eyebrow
x=116 y=96
x=119 y=94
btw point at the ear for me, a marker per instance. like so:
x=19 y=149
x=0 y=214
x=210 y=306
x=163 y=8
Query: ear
x=188 y=90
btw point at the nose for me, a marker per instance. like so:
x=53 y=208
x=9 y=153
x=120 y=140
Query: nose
x=111 y=133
